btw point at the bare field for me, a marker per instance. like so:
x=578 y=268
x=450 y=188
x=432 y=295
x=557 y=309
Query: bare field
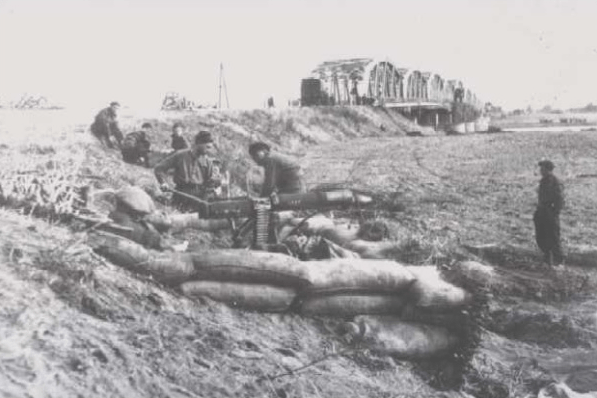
x=74 y=325
x=538 y=118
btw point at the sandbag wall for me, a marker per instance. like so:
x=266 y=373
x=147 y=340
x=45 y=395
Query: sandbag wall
x=402 y=310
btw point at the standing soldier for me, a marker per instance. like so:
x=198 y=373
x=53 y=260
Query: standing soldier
x=135 y=146
x=105 y=125
x=547 y=215
x=194 y=172
x=178 y=141
x=282 y=175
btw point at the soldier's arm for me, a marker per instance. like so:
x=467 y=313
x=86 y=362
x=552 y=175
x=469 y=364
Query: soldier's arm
x=145 y=145
x=269 y=181
x=115 y=131
x=185 y=143
x=558 y=197
x=161 y=169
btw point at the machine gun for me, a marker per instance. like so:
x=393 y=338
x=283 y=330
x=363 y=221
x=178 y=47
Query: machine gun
x=259 y=213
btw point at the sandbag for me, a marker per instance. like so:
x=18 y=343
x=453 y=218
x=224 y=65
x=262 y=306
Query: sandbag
x=257 y=297
x=284 y=232
x=392 y=336
x=451 y=319
x=314 y=224
x=351 y=304
x=479 y=273
x=135 y=199
x=381 y=276
x=340 y=234
x=430 y=291
x=337 y=251
x=241 y=265
x=562 y=390
x=224 y=265
x=180 y=222
x=160 y=220
x=167 y=267
x=373 y=250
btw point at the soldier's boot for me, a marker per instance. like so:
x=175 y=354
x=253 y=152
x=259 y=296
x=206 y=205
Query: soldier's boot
x=558 y=258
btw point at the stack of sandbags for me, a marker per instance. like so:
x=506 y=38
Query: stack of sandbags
x=253 y=280
x=350 y=287
x=401 y=310
x=430 y=291
x=248 y=279
x=431 y=321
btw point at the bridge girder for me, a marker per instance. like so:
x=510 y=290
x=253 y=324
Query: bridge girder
x=381 y=82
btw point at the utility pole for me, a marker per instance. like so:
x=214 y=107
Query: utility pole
x=222 y=84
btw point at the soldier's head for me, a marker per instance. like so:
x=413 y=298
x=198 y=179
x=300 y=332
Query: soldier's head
x=546 y=167
x=115 y=106
x=177 y=129
x=204 y=143
x=146 y=128
x=259 y=151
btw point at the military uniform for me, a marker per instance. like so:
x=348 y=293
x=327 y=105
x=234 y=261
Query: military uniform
x=193 y=174
x=281 y=175
x=135 y=148
x=106 y=126
x=547 y=218
x=140 y=231
x=179 y=142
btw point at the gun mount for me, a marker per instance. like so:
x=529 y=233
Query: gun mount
x=260 y=212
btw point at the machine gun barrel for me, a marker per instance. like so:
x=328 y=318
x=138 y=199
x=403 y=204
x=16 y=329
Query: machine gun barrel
x=317 y=200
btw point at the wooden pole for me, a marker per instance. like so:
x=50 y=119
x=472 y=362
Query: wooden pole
x=220 y=88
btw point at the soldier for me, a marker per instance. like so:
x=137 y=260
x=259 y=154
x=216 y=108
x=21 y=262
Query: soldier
x=178 y=141
x=133 y=206
x=282 y=175
x=105 y=125
x=547 y=215
x=135 y=146
x=194 y=172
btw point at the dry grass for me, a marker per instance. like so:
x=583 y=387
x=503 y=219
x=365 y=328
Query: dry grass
x=104 y=331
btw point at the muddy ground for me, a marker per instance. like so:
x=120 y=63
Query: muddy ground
x=74 y=325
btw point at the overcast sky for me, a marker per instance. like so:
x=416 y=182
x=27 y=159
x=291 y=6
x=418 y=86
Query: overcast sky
x=85 y=53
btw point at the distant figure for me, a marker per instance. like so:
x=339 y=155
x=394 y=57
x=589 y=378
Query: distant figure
x=270 y=102
x=547 y=215
x=282 y=175
x=105 y=125
x=135 y=146
x=194 y=172
x=178 y=141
